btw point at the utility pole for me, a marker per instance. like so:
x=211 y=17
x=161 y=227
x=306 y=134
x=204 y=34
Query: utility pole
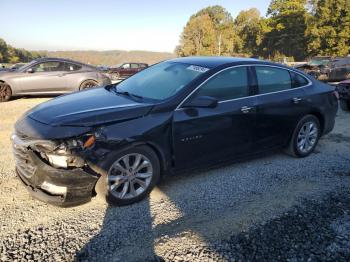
x=220 y=44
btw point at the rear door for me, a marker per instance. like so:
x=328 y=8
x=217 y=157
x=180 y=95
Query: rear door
x=124 y=70
x=46 y=77
x=208 y=135
x=72 y=76
x=134 y=68
x=281 y=102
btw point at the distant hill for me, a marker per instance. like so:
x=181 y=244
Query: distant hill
x=112 y=57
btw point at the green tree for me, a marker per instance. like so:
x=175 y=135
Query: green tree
x=198 y=37
x=213 y=26
x=250 y=27
x=9 y=54
x=286 y=26
x=328 y=29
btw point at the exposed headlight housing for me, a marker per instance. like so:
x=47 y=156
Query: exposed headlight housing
x=66 y=153
x=58 y=161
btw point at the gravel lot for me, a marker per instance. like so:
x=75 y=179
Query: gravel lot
x=270 y=208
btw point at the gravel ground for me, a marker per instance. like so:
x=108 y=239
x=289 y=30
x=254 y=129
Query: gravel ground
x=269 y=208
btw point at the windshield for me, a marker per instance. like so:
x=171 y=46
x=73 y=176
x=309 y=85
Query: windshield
x=26 y=66
x=161 y=81
x=117 y=65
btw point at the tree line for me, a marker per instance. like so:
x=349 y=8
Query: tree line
x=292 y=28
x=9 y=54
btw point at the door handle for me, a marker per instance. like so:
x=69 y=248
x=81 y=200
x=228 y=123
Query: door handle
x=246 y=109
x=296 y=100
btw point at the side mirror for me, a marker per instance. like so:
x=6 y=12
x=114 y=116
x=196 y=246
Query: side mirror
x=30 y=71
x=203 y=102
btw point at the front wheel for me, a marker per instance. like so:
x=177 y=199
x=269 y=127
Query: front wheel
x=5 y=92
x=132 y=175
x=305 y=137
x=115 y=76
x=88 y=84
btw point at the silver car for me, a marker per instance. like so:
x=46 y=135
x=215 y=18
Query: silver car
x=46 y=76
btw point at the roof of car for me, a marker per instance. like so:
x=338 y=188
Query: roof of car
x=43 y=59
x=214 y=61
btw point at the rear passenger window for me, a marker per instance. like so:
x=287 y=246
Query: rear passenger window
x=134 y=66
x=72 y=67
x=298 y=80
x=272 y=79
x=229 y=84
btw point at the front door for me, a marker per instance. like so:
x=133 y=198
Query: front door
x=46 y=77
x=203 y=136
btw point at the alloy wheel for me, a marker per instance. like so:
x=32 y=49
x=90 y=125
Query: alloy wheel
x=307 y=137
x=89 y=84
x=5 y=92
x=130 y=176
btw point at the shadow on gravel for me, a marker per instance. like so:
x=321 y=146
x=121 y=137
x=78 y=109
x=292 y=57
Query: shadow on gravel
x=315 y=231
x=126 y=235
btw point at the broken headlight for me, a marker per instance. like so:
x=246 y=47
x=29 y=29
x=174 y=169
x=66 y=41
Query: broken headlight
x=66 y=154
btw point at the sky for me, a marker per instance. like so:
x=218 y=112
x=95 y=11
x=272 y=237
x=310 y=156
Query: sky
x=104 y=24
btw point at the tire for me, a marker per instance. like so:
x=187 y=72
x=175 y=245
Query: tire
x=5 y=92
x=311 y=137
x=111 y=187
x=345 y=104
x=88 y=84
x=115 y=76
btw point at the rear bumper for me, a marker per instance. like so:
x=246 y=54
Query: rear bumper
x=78 y=185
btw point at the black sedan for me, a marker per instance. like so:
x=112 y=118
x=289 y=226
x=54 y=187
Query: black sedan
x=177 y=115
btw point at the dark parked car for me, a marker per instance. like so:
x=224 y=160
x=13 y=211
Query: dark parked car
x=50 y=76
x=328 y=69
x=315 y=67
x=126 y=70
x=177 y=115
x=338 y=69
x=343 y=89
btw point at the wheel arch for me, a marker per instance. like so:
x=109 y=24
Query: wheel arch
x=157 y=150
x=102 y=167
x=320 y=118
x=5 y=82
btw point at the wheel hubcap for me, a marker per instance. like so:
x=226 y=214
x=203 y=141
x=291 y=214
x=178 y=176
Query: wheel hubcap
x=307 y=137
x=130 y=176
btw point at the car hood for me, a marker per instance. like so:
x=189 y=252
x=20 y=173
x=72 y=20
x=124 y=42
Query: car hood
x=88 y=108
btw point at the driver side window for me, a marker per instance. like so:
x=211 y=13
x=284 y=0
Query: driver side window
x=126 y=66
x=49 y=67
x=229 y=84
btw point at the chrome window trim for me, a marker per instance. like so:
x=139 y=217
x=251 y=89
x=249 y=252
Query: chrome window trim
x=240 y=98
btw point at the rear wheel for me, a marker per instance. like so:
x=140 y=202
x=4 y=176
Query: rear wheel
x=305 y=137
x=88 y=84
x=5 y=92
x=132 y=175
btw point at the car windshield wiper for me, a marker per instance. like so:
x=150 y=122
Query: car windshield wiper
x=126 y=93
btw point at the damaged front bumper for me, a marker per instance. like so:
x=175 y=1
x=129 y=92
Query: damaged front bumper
x=61 y=187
